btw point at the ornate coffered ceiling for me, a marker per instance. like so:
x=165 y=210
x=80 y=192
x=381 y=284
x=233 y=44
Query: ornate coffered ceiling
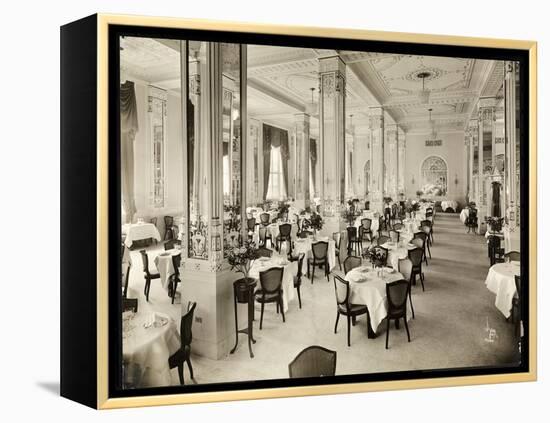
x=280 y=80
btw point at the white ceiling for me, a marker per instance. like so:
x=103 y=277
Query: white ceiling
x=280 y=81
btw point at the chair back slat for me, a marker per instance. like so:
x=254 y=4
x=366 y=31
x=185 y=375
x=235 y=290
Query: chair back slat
x=264 y=219
x=186 y=325
x=396 y=293
x=271 y=280
x=366 y=224
x=382 y=239
x=416 y=255
x=351 y=262
x=319 y=249
x=168 y=221
x=265 y=252
x=284 y=229
x=341 y=289
x=314 y=361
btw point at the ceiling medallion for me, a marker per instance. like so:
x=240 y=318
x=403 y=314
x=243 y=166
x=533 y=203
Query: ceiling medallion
x=423 y=75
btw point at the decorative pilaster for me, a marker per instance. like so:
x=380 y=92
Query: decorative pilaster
x=401 y=148
x=511 y=128
x=332 y=84
x=376 y=127
x=301 y=187
x=473 y=166
x=392 y=162
x=486 y=110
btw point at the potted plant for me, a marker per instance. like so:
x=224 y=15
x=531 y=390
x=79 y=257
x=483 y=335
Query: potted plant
x=241 y=259
x=419 y=193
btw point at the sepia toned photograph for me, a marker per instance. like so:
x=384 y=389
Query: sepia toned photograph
x=302 y=213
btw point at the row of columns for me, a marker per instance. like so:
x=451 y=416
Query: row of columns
x=491 y=142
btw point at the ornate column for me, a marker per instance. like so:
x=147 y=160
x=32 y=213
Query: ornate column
x=376 y=127
x=473 y=166
x=401 y=148
x=511 y=128
x=332 y=82
x=393 y=161
x=486 y=109
x=301 y=172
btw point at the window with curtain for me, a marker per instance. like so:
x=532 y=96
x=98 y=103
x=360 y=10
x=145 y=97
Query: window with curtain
x=276 y=185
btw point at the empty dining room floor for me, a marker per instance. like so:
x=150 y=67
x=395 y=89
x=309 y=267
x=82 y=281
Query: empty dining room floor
x=449 y=329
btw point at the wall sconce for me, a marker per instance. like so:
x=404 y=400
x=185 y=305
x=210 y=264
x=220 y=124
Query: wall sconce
x=456 y=179
x=412 y=180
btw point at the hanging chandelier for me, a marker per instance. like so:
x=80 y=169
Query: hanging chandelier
x=424 y=94
x=312 y=108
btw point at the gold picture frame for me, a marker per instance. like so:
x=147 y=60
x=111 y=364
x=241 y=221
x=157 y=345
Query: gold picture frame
x=102 y=197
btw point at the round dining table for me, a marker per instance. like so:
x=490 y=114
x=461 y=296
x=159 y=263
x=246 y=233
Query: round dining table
x=397 y=251
x=501 y=281
x=148 y=341
x=368 y=287
x=303 y=245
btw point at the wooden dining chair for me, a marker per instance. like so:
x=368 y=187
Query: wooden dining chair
x=168 y=227
x=264 y=252
x=512 y=256
x=298 y=277
x=337 y=237
x=183 y=355
x=147 y=274
x=169 y=245
x=424 y=237
x=271 y=290
x=265 y=219
x=344 y=307
x=516 y=300
x=351 y=262
x=313 y=361
x=251 y=226
x=404 y=266
x=319 y=251
x=429 y=224
x=495 y=251
x=174 y=278
x=366 y=229
x=396 y=294
x=284 y=236
x=355 y=245
x=394 y=236
x=415 y=256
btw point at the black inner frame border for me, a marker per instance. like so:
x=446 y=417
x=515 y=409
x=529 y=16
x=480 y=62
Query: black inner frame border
x=114 y=210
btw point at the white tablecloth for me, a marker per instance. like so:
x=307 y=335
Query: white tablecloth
x=512 y=239
x=165 y=265
x=367 y=288
x=145 y=351
x=445 y=204
x=500 y=281
x=464 y=215
x=290 y=270
x=138 y=231
x=397 y=252
x=303 y=245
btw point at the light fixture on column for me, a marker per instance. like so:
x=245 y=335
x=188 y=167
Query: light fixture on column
x=312 y=108
x=423 y=94
x=351 y=128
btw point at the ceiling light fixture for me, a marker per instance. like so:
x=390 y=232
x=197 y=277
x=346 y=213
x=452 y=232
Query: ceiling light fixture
x=424 y=94
x=311 y=108
x=431 y=123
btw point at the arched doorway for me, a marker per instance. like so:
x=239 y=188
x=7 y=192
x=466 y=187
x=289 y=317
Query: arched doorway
x=434 y=174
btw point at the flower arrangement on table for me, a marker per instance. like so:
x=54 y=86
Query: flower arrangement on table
x=283 y=210
x=419 y=193
x=316 y=221
x=387 y=200
x=375 y=255
x=495 y=223
x=241 y=258
x=349 y=216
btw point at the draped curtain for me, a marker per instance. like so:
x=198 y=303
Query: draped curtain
x=128 y=129
x=274 y=138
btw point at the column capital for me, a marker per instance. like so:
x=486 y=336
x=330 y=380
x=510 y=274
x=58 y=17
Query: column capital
x=376 y=118
x=332 y=64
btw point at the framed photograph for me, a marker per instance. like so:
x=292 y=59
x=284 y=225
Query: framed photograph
x=252 y=211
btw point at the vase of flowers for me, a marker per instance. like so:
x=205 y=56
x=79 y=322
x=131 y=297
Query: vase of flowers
x=419 y=193
x=494 y=223
x=414 y=208
x=348 y=215
x=375 y=255
x=316 y=223
x=241 y=258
